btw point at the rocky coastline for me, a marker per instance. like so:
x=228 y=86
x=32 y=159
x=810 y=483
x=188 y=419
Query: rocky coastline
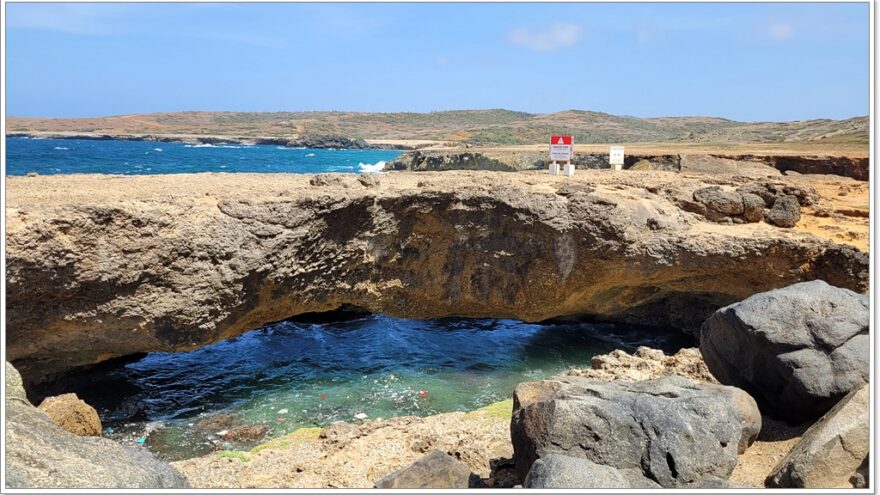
x=104 y=267
x=314 y=142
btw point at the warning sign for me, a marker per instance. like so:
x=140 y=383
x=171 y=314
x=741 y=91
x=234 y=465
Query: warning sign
x=561 y=148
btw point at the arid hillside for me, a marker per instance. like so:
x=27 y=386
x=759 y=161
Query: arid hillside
x=453 y=128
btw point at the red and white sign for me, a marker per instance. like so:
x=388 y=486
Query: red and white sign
x=561 y=148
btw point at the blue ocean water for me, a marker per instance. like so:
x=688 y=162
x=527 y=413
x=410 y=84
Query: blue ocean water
x=83 y=156
x=290 y=375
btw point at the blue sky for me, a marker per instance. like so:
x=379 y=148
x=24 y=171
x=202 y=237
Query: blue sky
x=744 y=61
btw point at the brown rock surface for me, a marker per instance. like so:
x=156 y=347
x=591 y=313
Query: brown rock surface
x=104 y=266
x=72 y=415
x=357 y=455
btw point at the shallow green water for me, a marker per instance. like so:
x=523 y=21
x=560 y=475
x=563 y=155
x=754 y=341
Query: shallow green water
x=291 y=375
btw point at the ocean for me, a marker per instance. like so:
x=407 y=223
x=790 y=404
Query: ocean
x=85 y=156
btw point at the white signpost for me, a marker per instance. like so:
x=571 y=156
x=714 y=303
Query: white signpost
x=615 y=158
x=561 y=151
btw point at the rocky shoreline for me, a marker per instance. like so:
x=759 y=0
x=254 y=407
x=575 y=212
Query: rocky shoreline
x=102 y=267
x=511 y=161
x=314 y=142
x=187 y=260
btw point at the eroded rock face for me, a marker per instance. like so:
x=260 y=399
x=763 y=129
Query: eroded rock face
x=102 y=266
x=41 y=455
x=630 y=425
x=72 y=415
x=796 y=350
x=833 y=451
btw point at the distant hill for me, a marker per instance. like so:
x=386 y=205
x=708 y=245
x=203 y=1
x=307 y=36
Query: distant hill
x=478 y=127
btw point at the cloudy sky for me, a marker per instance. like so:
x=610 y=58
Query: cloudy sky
x=749 y=61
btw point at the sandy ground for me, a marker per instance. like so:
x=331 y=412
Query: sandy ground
x=774 y=442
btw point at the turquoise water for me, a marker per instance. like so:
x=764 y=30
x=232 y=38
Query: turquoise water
x=83 y=156
x=291 y=374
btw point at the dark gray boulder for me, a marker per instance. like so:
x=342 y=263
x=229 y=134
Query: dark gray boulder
x=673 y=430
x=562 y=471
x=832 y=452
x=796 y=350
x=786 y=212
x=435 y=470
x=39 y=454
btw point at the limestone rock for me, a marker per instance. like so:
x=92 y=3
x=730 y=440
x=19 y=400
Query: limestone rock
x=796 y=350
x=14 y=386
x=718 y=200
x=434 y=470
x=786 y=212
x=753 y=207
x=103 y=267
x=832 y=451
x=675 y=431
x=646 y=364
x=72 y=415
x=39 y=454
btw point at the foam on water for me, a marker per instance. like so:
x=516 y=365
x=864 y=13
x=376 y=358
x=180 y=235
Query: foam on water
x=54 y=156
x=295 y=374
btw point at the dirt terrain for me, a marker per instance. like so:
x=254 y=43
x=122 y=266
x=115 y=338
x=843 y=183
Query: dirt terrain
x=485 y=128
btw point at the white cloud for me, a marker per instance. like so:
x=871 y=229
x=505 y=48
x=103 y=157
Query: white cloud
x=780 y=31
x=545 y=39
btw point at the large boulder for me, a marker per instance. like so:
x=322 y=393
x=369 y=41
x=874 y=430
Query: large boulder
x=72 y=415
x=796 y=350
x=434 y=470
x=832 y=452
x=562 y=471
x=39 y=454
x=674 y=431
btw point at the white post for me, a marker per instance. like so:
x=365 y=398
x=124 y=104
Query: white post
x=568 y=170
x=554 y=168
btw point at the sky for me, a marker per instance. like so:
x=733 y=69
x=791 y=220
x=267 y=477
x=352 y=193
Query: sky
x=747 y=61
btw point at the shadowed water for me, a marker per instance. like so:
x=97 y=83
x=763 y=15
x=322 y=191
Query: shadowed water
x=296 y=374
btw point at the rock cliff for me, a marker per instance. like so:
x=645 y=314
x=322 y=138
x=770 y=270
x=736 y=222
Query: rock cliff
x=106 y=266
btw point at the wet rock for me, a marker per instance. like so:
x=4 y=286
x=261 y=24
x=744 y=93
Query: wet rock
x=39 y=454
x=786 y=212
x=72 y=415
x=217 y=422
x=831 y=453
x=629 y=425
x=796 y=350
x=246 y=433
x=562 y=471
x=434 y=470
x=720 y=201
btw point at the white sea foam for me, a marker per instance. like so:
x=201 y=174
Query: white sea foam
x=310 y=154
x=372 y=168
x=157 y=149
x=61 y=148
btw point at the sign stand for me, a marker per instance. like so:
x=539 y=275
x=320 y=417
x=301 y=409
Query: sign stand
x=615 y=158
